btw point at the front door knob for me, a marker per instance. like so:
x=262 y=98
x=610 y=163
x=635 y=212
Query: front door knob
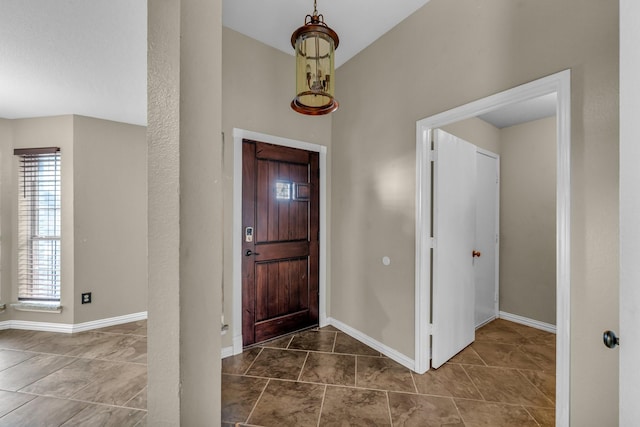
x=610 y=339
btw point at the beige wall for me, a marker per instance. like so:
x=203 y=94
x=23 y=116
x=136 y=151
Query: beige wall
x=256 y=92
x=528 y=220
x=453 y=53
x=110 y=182
x=30 y=133
x=478 y=132
x=6 y=141
x=104 y=220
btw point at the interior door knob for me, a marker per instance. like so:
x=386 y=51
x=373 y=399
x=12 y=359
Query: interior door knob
x=476 y=254
x=610 y=339
x=249 y=253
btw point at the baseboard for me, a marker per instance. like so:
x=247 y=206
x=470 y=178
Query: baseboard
x=227 y=352
x=374 y=344
x=112 y=321
x=67 y=328
x=237 y=345
x=548 y=327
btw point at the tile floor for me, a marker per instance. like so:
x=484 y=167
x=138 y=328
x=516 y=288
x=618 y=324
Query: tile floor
x=318 y=377
x=323 y=377
x=95 y=378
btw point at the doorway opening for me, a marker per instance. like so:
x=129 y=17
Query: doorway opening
x=238 y=136
x=558 y=84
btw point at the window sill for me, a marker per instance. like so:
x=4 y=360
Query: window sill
x=40 y=307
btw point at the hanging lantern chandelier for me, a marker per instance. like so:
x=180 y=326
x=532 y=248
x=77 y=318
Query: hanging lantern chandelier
x=315 y=45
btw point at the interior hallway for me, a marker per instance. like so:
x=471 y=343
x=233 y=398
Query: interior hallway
x=323 y=377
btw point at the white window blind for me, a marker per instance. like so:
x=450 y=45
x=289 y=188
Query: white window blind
x=39 y=224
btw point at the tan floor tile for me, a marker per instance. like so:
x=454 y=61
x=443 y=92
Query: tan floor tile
x=382 y=373
x=10 y=400
x=239 y=363
x=274 y=363
x=348 y=345
x=142 y=422
x=526 y=331
x=239 y=396
x=354 y=407
x=449 y=380
x=545 y=381
x=506 y=386
x=124 y=348
x=68 y=380
x=287 y=403
x=504 y=355
x=43 y=411
x=18 y=339
x=484 y=414
x=544 y=356
x=468 y=356
x=31 y=370
x=139 y=401
x=9 y=358
x=329 y=328
x=63 y=344
x=131 y=328
x=501 y=332
x=423 y=411
x=325 y=368
x=278 y=342
x=314 y=341
x=129 y=349
x=101 y=415
x=116 y=386
x=544 y=416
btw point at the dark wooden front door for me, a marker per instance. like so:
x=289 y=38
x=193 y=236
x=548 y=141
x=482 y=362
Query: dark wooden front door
x=280 y=220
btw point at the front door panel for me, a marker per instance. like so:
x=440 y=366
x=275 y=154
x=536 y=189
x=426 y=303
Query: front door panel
x=280 y=262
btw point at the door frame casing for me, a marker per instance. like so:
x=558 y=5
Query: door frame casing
x=559 y=83
x=496 y=246
x=238 y=136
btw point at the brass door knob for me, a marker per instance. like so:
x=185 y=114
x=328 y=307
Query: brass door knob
x=476 y=254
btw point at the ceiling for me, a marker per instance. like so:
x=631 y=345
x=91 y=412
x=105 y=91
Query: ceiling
x=88 y=57
x=525 y=111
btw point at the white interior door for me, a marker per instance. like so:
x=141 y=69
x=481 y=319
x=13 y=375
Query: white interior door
x=487 y=226
x=454 y=205
x=629 y=213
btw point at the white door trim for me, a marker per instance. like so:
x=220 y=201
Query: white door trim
x=559 y=83
x=238 y=136
x=496 y=246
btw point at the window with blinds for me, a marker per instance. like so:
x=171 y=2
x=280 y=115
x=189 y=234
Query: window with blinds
x=39 y=224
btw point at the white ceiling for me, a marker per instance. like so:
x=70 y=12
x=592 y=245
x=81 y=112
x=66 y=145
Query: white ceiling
x=525 y=111
x=88 y=57
x=357 y=22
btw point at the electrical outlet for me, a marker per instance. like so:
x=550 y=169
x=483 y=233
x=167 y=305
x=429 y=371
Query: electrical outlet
x=86 y=298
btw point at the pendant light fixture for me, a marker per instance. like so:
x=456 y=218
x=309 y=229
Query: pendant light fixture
x=315 y=45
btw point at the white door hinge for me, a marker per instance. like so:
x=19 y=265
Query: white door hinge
x=432 y=155
x=430 y=328
x=432 y=242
